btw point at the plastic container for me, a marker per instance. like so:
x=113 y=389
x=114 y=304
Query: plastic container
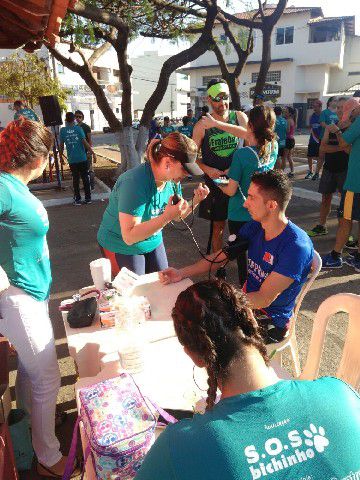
x=100 y=272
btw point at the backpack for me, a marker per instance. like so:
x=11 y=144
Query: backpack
x=119 y=423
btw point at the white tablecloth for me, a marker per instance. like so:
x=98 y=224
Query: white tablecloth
x=88 y=345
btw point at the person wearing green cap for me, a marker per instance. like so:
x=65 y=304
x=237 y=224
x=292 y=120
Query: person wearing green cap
x=217 y=148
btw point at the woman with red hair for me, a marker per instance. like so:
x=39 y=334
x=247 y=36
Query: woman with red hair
x=24 y=256
x=141 y=204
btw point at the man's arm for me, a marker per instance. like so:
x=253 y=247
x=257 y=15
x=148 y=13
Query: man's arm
x=88 y=147
x=172 y=275
x=271 y=288
x=211 y=122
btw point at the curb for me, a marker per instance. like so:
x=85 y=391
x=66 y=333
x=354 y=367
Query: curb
x=55 y=202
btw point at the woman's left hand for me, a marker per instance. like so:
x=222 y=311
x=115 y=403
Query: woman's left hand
x=201 y=192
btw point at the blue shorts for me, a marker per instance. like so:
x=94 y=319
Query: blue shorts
x=349 y=206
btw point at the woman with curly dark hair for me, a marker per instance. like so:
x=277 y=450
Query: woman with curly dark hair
x=24 y=257
x=262 y=427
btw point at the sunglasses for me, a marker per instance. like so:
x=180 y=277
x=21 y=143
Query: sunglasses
x=79 y=116
x=219 y=99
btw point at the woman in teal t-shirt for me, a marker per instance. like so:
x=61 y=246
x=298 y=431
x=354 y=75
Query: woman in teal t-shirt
x=24 y=256
x=262 y=427
x=141 y=204
x=260 y=155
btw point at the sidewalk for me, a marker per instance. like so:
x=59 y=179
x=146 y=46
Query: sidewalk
x=72 y=245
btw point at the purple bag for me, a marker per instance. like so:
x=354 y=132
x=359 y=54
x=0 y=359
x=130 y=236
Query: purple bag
x=120 y=426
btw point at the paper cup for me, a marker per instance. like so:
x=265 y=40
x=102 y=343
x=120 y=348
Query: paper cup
x=100 y=272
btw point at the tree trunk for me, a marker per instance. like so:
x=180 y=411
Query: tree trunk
x=265 y=61
x=234 y=92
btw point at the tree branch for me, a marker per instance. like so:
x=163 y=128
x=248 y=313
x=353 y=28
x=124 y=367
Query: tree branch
x=98 y=15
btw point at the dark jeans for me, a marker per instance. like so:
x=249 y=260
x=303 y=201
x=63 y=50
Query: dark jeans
x=241 y=260
x=80 y=170
x=140 y=264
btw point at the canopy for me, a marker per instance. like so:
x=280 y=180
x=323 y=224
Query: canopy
x=27 y=23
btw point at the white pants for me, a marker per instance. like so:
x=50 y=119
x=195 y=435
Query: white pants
x=26 y=323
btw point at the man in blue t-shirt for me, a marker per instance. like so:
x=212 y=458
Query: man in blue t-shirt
x=315 y=137
x=73 y=137
x=280 y=255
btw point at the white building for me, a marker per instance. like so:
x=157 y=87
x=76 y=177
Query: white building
x=145 y=76
x=312 y=57
x=82 y=97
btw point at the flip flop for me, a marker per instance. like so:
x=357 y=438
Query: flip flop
x=51 y=474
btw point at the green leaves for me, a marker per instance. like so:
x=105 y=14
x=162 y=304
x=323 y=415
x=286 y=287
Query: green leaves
x=27 y=77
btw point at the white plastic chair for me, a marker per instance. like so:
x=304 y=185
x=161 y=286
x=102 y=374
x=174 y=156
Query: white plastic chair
x=290 y=340
x=349 y=367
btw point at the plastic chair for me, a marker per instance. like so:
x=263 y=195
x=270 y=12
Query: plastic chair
x=290 y=340
x=349 y=367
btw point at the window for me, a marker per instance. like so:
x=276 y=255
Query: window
x=353 y=73
x=223 y=38
x=60 y=68
x=327 y=32
x=184 y=77
x=116 y=73
x=274 y=76
x=206 y=80
x=284 y=35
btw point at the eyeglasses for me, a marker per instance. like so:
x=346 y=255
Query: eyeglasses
x=219 y=99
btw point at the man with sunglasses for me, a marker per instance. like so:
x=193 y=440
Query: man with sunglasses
x=217 y=148
x=79 y=117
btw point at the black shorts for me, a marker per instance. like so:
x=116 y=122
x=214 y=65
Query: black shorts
x=313 y=149
x=215 y=205
x=330 y=182
x=281 y=152
x=270 y=332
x=349 y=206
x=290 y=143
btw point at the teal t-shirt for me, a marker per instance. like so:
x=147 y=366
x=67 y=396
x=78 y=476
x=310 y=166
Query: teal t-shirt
x=186 y=130
x=280 y=130
x=135 y=193
x=28 y=113
x=352 y=137
x=293 y=430
x=24 y=254
x=328 y=117
x=246 y=162
x=165 y=130
x=72 y=136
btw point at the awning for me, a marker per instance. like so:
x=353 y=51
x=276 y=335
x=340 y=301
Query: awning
x=27 y=23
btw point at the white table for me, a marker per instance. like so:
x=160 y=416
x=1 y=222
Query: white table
x=88 y=345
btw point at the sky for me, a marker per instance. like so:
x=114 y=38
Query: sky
x=331 y=8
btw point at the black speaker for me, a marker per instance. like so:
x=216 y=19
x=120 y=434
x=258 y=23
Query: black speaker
x=51 y=111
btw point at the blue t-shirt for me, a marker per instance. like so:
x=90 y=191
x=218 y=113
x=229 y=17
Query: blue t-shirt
x=28 y=113
x=352 y=137
x=72 y=136
x=328 y=117
x=289 y=254
x=293 y=430
x=280 y=130
x=246 y=162
x=315 y=128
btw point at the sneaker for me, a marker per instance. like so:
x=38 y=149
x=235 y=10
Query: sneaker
x=351 y=244
x=308 y=175
x=221 y=273
x=353 y=262
x=87 y=201
x=315 y=177
x=291 y=174
x=317 y=231
x=328 y=261
x=77 y=202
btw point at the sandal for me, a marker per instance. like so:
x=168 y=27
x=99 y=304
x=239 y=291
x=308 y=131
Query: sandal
x=48 y=473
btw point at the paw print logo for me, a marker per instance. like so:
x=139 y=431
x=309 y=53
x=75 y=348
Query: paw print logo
x=316 y=438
